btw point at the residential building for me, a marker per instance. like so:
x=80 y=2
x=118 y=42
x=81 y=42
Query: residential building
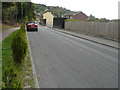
x=76 y=16
x=49 y=19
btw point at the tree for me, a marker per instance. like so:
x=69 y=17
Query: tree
x=12 y=11
x=91 y=18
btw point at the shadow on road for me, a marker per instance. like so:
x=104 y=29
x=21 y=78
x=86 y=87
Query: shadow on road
x=31 y=31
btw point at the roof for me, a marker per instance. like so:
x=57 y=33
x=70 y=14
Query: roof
x=47 y=13
x=74 y=13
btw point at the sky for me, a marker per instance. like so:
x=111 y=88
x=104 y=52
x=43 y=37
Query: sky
x=99 y=8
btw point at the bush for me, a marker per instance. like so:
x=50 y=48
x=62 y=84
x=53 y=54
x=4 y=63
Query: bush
x=22 y=31
x=19 y=46
x=9 y=79
x=22 y=28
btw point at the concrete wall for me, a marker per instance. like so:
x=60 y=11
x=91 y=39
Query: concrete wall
x=100 y=29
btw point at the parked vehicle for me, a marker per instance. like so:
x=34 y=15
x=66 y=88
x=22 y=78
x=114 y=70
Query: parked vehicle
x=32 y=26
x=29 y=22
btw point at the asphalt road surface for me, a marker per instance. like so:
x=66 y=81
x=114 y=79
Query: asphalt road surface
x=65 y=61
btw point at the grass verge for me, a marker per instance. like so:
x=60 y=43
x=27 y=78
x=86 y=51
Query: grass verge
x=23 y=72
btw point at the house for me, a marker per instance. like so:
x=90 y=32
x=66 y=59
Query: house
x=76 y=16
x=48 y=19
x=69 y=15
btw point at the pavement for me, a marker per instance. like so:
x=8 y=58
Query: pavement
x=65 y=61
x=107 y=42
x=5 y=33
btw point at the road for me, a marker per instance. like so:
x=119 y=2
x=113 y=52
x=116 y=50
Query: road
x=65 y=61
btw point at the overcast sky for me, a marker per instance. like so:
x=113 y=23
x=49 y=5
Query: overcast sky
x=99 y=8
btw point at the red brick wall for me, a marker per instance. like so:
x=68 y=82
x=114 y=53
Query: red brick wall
x=80 y=16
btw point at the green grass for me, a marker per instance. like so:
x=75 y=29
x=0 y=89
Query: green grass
x=71 y=20
x=22 y=71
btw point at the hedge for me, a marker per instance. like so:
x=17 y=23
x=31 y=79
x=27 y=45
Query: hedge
x=19 y=45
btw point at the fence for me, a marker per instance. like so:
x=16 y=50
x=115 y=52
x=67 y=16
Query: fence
x=58 y=22
x=101 y=29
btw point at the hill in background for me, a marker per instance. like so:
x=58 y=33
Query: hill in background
x=56 y=11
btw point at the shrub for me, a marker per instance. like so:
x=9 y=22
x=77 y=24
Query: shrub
x=19 y=46
x=22 y=29
x=9 y=79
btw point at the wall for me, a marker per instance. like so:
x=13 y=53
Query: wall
x=100 y=29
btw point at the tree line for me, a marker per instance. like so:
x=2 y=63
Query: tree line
x=19 y=12
x=92 y=18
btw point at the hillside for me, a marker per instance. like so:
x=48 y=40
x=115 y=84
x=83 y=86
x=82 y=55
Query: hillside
x=59 y=11
x=56 y=11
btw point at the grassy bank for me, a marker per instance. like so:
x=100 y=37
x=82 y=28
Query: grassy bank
x=22 y=73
